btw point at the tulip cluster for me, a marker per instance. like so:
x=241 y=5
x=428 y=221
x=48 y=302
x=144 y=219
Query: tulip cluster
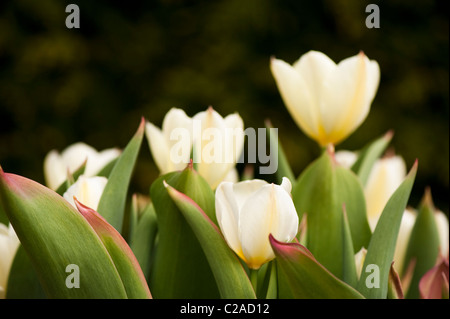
x=342 y=228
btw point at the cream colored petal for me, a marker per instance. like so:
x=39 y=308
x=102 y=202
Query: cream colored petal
x=270 y=210
x=385 y=177
x=443 y=231
x=55 y=171
x=360 y=256
x=76 y=154
x=234 y=138
x=346 y=158
x=296 y=96
x=8 y=247
x=158 y=147
x=406 y=226
x=227 y=214
x=96 y=163
x=87 y=190
x=243 y=190
x=347 y=94
x=232 y=176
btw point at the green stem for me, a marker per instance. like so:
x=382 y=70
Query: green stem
x=254 y=278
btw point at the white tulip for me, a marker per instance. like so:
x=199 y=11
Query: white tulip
x=87 y=190
x=328 y=101
x=346 y=158
x=385 y=177
x=214 y=142
x=57 y=166
x=248 y=211
x=443 y=231
x=8 y=247
x=404 y=234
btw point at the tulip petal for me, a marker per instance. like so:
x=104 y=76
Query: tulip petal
x=296 y=96
x=158 y=146
x=269 y=210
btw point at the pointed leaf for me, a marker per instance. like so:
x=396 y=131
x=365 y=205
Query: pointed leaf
x=368 y=156
x=112 y=202
x=320 y=192
x=229 y=274
x=349 y=267
x=179 y=268
x=382 y=244
x=395 y=290
x=23 y=282
x=54 y=235
x=434 y=284
x=423 y=246
x=126 y=263
x=303 y=277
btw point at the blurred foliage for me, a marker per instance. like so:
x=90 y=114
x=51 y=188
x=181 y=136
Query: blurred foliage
x=140 y=58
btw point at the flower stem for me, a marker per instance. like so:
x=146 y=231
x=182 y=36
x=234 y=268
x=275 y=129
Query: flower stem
x=254 y=278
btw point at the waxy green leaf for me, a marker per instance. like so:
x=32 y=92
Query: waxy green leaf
x=179 y=268
x=369 y=155
x=113 y=200
x=380 y=252
x=320 y=192
x=126 y=263
x=55 y=235
x=229 y=274
x=300 y=275
x=423 y=246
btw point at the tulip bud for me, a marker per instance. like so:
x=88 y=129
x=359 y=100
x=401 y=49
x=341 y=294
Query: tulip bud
x=215 y=143
x=87 y=190
x=56 y=166
x=328 y=101
x=249 y=211
x=8 y=247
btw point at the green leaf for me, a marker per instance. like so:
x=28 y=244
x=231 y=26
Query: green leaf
x=126 y=263
x=423 y=246
x=284 y=169
x=143 y=237
x=23 y=282
x=349 y=267
x=382 y=244
x=113 y=200
x=54 y=235
x=320 y=192
x=301 y=276
x=180 y=268
x=229 y=274
x=368 y=156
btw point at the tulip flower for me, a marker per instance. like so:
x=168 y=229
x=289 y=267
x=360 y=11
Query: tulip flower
x=57 y=166
x=385 y=177
x=214 y=142
x=249 y=211
x=8 y=247
x=328 y=101
x=87 y=190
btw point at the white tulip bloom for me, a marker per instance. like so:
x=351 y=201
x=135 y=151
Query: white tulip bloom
x=328 y=101
x=57 y=166
x=8 y=247
x=248 y=211
x=214 y=142
x=87 y=190
x=385 y=177
x=443 y=231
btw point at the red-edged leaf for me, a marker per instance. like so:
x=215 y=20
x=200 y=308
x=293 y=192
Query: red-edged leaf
x=434 y=284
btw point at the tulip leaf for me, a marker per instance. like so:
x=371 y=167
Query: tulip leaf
x=380 y=252
x=301 y=276
x=368 y=156
x=113 y=200
x=23 y=282
x=231 y=278
x=55 y=235
x=179 y=268
x=284 y=169
x=349 y=267
x=126 y=263
x=143 y=237
x=423 y=246
x=320 y=192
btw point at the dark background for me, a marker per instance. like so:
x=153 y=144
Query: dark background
x=140 y=58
